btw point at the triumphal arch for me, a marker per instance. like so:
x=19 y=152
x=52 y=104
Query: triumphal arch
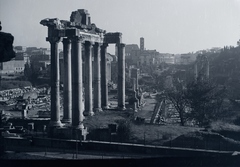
x=76 y=35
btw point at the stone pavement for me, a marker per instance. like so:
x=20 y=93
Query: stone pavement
x=147 y=110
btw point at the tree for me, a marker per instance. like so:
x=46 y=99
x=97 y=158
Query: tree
x=205 y=100
x=27 y=71
x=177 y=97
x=124 y=129
x=30 y=73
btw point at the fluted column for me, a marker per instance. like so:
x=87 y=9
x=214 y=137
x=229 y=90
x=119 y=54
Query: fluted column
x=55 y=82
x=77 y=83
x=104 y=81
x=67 y=92
x=121 y=76
x=88 y=79
x=97 y=85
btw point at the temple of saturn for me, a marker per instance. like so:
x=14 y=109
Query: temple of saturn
x=77 y=34
x=201 y=68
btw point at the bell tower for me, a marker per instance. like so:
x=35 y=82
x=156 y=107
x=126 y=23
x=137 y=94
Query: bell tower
x=141 y=44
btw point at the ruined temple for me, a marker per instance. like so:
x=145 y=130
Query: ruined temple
x=77 y=34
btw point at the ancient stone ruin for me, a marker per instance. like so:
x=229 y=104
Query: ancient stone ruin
x=77 y=33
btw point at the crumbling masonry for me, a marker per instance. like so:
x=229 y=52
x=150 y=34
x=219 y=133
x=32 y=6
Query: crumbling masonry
x=77 y=33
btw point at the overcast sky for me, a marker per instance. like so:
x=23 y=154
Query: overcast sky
x=169 y=26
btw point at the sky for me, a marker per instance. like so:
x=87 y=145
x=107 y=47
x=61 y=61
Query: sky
x=169 y=26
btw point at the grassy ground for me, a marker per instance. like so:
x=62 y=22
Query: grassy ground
x=140 y=133
x=157 y=134
x=221 y=135
x=102 y=119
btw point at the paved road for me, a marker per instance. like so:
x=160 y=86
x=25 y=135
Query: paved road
x=147 y=110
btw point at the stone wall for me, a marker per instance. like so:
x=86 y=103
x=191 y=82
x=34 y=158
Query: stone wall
x=114 y=147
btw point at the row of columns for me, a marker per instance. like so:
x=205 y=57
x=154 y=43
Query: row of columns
x=73 y=81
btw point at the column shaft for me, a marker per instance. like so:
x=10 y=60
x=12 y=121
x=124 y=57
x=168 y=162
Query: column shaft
x=104 y=81
x=88 y=79
x=121 y=76
x=97 y=78
x=67 y=92
x=55 y=82
x=77 y=97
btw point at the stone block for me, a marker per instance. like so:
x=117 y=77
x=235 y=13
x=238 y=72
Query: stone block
x=81 y=16
x=113 y=38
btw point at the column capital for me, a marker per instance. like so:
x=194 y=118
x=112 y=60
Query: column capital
x=66 y=41
x=104 y=45
x=77 y=39
x=53 y=39
x=97 y=44
x=89 y=43
x=121 y=44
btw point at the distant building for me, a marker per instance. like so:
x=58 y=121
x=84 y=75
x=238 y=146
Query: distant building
x=109 y=59
x=186 y=58
x=142 y=44
x=20 y=49
x=130 y=48
x=40 y=62
x=14 y=66
x=168 y=58
x=38 y=57
x=140 y=57
x=37 y=51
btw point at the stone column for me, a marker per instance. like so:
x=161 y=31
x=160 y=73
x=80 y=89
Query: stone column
x=137 y=85
x=67 y=92
x=104 y=81
x=77 y=84
x=55 y=82
x=97 y=85
x=136 y=102
x=121 y=76
x=88 y=79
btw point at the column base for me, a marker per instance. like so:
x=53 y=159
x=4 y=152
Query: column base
x=88 y=113
x=122 y=108
x=55 y=124
x=105 y=107
x=135 y=107
x=97 y=110
x=78 y=126
x=66 y=121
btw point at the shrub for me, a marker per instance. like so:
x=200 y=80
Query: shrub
x=124 y=130
x=166 y=136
